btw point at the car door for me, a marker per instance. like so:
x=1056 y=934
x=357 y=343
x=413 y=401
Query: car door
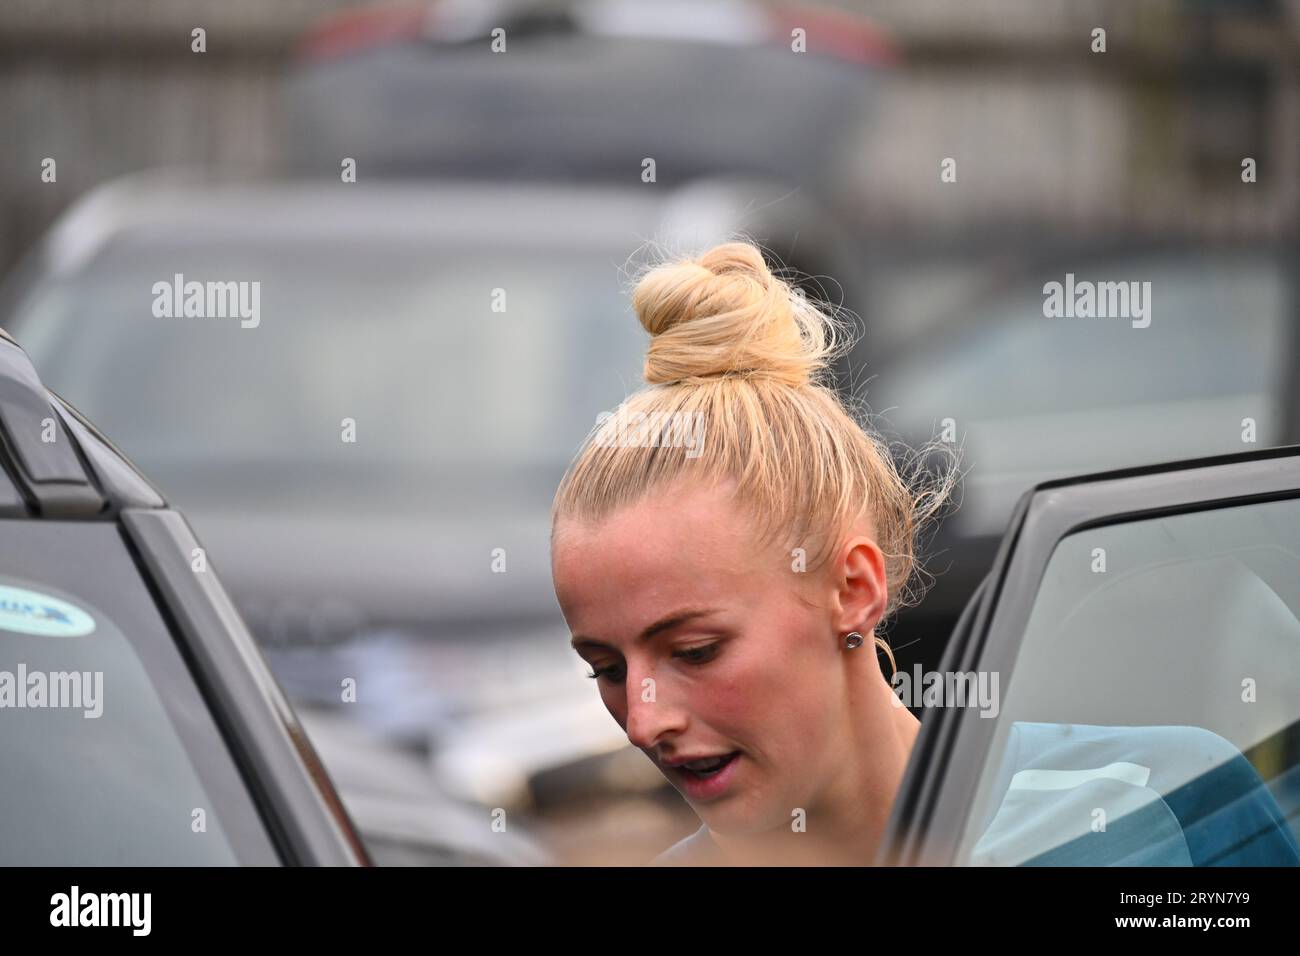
x=139 y=725
x=1142 y=628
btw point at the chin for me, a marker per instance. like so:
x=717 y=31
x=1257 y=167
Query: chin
x=733 y=818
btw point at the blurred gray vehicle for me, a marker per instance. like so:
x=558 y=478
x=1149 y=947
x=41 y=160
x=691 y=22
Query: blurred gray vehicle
x=469 y=333
x=1211 y=369
x=585 y=91
x=404 y=817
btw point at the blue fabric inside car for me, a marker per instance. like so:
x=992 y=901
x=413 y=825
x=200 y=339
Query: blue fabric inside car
x=1084 y=795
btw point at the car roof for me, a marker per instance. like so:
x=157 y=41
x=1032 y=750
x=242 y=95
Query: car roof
x=176 y=202
x=589 y=90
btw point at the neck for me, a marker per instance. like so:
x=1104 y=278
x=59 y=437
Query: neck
x=847 y=822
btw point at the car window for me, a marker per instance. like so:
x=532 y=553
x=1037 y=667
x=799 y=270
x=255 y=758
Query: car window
x=1151 y=716
x=110 y=755
x=1035 y=398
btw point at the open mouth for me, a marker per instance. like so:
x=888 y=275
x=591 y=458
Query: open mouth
x=708 y=767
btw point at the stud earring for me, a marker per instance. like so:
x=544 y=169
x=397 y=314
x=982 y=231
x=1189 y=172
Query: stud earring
x=853 y=639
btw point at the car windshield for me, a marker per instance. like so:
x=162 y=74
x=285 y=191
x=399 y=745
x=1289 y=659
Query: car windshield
x=486 y=358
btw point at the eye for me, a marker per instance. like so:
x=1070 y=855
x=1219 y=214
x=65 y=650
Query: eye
x=614 y=672
x=698 y=655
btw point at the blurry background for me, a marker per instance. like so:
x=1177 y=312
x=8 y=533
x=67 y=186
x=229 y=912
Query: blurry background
x=415 y=560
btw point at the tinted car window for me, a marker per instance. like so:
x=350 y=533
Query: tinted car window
x=110 y=755
x=1152 y=715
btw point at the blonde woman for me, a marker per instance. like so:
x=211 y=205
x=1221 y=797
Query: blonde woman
x=726 y=593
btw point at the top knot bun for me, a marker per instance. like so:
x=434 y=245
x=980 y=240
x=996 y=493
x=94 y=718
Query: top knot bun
x=725 y=314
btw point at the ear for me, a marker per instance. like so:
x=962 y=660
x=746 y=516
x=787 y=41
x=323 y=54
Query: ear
x=860 y=586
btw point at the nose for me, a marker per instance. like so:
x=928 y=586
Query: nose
x=651 y=717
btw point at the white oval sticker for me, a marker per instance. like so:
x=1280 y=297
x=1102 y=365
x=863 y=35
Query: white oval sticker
x=30 y=612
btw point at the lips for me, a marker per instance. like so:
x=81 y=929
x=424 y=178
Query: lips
x=706 y=778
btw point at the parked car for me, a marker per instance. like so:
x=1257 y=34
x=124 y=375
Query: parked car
x=585 y=92
x=1027 y=398
x=1144 y=627
x=404 y=817
x=139 y=723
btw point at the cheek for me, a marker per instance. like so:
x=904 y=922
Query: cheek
x=749 y=691
x=781 y=686
x=614 y=697
x=729 y=700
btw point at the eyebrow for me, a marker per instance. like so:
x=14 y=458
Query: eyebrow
x=668 y=623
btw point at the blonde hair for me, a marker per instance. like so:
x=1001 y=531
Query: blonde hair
x=747 y=354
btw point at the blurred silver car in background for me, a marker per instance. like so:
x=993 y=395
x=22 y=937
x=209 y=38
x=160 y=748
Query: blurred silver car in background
x=588 y=90
x=1030 y=397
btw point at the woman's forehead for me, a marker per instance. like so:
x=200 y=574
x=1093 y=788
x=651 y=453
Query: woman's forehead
x=655 y=543
x=651 y=553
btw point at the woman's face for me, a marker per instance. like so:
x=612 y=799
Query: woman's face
x=706 y=646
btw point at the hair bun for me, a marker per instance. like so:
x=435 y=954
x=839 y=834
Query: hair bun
x=725 y=313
